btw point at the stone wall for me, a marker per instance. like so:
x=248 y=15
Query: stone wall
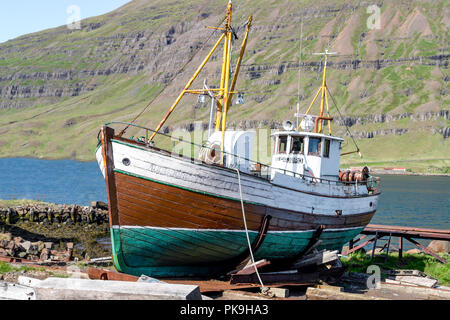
x=96 y=213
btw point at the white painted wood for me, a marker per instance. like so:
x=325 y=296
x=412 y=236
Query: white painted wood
x=12 y=291
x=284 y=192
x=420 y=281
x=81 y=289
x=305 y=163
x=319 y=258
x=238 y=146
x=101 y=163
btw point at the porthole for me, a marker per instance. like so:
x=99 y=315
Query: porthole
x=126 y=161
x=371 y=204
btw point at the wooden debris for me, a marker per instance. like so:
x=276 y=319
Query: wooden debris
x=416 y=290
x=327 y=294
x=250 y=268
x=284 y=277
x=317 y=259
x=279 y=292
x=406 y=273
x=420 y=281
x=328 y=287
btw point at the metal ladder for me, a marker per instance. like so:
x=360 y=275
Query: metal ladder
x=386 y=245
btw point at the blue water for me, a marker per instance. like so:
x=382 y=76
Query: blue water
x=416 y=201
x=56 y=181
x=420 y=201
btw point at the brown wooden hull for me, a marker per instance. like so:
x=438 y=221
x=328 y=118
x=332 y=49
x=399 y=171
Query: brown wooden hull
x=147 y=203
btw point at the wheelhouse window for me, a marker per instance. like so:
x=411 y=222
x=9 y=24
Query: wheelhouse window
x=282 y=144
x=314 y=147
x=326 y=148
x=297 y=145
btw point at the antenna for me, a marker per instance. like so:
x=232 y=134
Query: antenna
x=297 y=115
x=325 y=54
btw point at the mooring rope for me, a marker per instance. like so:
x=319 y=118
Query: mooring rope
x=263 y=289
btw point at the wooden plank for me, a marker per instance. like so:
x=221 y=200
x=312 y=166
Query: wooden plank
x=12 y=291
x=250 y=269
x=107 y=134
x=82 y=289
x=319 y=258
x=326 y=294
x=426 y=250
x=402 y=228
x=415 y=290
x=155 y=192
x=420 y=281
x=277 y=278
x=206 y=210
x=423 y=233
x=361 y=246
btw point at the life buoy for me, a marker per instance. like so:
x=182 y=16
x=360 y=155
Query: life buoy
x=211 y=155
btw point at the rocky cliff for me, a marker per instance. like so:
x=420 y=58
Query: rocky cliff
x=59 y=85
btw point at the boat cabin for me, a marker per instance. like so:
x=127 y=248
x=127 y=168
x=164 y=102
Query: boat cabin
x=306 y=153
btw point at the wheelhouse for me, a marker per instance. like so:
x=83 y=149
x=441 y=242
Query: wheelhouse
x=306 y=153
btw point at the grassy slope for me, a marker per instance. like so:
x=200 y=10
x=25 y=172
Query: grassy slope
x=67 y=127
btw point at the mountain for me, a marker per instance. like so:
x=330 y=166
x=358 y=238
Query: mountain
x=58 y=86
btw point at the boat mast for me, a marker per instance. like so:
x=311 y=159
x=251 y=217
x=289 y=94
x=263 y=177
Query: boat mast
x=225 y=92
x=324 y=98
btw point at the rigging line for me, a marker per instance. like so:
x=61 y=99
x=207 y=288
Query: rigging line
x=300 y=58
x=246 y=231
x=346 y=127
x=173 y=78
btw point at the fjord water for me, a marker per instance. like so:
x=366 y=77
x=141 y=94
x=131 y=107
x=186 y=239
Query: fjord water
x=415 y=201
x=418 y=201
x=56 y=181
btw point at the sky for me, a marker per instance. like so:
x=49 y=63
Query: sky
x=19 y=17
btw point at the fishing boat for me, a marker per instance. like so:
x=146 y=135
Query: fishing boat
x=174 y=215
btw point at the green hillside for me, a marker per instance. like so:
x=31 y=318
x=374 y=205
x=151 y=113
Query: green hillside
x=58 y=86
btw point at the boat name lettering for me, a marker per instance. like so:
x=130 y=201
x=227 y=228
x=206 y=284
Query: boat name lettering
x=289 y=159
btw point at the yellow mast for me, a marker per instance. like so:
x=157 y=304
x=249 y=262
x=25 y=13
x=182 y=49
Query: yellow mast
x=225 y=65
x=225 y=92
x=324 y=99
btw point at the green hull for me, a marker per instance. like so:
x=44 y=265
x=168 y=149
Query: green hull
x=159 y=252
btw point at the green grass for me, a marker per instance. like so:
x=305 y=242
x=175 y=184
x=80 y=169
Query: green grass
x=20 y=202
x=7 y=267
x=358 y=262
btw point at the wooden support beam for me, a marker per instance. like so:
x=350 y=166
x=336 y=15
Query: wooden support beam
x=400 y=247
x=374 y=245
x=250 y=269
x=426 y=250
x=361 y=245
x=277 y=278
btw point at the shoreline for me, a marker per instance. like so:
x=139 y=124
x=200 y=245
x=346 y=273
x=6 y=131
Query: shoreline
x=385 y=173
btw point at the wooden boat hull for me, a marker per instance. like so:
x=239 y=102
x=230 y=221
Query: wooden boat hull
x=161 y=228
